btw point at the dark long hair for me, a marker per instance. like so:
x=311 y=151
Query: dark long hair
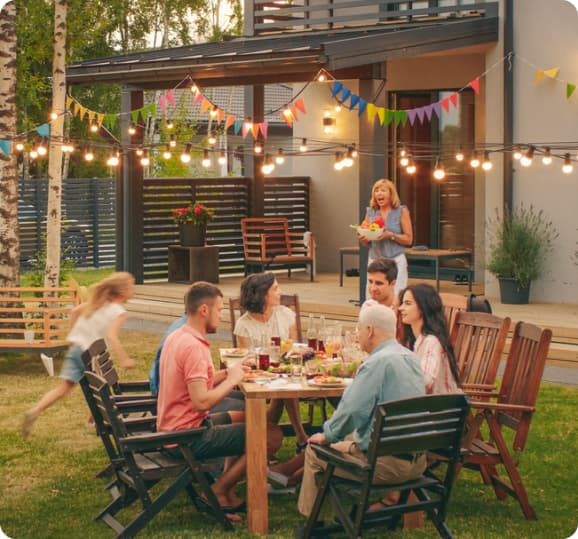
x=430 y=306
x=254 y=290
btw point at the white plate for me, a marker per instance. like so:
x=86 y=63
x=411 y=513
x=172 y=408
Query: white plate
x=235 y=352
x=327 y=384
x=263 y=378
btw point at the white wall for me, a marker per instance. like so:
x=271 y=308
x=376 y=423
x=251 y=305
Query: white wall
x=546 y=36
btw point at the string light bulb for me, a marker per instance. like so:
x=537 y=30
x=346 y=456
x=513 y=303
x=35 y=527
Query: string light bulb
x=42 y=149
x=249 y=123
x=258 y=148
x=132 y=129
x=348 y=158
x=321 y=77
x=67 y=146
x=94 y=127
x=547 y=157
x=145 y=159
x=439 y=172
x=517 y=155
x=460 y=155
x=475 y=160
x=186 y=155
x=172 y=141
x=222 y=160
x=33 y=154
x=139 y=152
x=528 y=157
x=88 y=154
x=169 y=124
x=268 y=165
x=113 y=160
x=194 y=89
x=53 y=115
x=338 y=165
x=280 y=157
x=411 y=166
x=19 y=146
x=303 y=145
x=206 y=162
x=167 y=153
x=338 y=108
x=287 y=114
x=354 y=152
x=567 y=167
x=213 y=112
x=487 y=164
x=212 y=139
x=404 y=160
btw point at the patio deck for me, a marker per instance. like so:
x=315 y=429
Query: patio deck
x=157 y=304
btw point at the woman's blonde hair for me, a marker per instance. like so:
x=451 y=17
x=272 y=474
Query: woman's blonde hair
x=113 y=287
x=388 y=184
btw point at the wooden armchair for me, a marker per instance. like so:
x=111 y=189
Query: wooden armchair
x=267 y=242
x=433 y=422
x=453 y=304
x=478 y=340
x=140 y=465
x=512 y=407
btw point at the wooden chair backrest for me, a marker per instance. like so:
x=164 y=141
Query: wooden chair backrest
x=522 y=375
x=265 y=237
x=478 y=340
x=453 y=303
x=288 y=300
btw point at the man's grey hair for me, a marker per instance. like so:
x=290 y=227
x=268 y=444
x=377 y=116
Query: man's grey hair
x=378 y=316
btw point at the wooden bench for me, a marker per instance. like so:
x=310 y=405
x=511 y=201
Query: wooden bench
x=36 y=319
x=267 y=242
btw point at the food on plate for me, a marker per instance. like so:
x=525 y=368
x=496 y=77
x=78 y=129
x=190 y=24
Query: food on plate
x=324 y=380
x=339 y=368
x=236 y=352
x=258 y=374
x=280 y=369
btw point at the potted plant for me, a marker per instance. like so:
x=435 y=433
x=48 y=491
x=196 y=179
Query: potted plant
x=519 y=243
x=192 y=221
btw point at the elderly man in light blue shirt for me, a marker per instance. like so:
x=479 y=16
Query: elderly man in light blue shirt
x=391 y=372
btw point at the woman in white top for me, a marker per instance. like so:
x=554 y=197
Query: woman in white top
x=101 y=317
x=425 y=331
x=264 y=315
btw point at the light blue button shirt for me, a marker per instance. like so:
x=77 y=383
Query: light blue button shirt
x=390 y=373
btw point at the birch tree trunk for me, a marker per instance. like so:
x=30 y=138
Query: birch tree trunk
x=9 y=237
x=54 y=210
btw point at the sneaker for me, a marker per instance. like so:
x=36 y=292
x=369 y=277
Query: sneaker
x=29 y=418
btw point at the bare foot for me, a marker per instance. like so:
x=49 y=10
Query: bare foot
x=28 y=422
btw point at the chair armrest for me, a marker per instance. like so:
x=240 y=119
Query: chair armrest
x=135 y=406
x=156 y=440
x=141 y=424
x=142 y=386
x=481 y=387
x=332 y=456
x=482 y=394
x=502 y=407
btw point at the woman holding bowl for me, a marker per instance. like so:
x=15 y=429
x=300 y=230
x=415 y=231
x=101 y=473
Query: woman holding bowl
x=385 y=207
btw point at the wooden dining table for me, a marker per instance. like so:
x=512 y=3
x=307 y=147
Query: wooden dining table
x=256 y=396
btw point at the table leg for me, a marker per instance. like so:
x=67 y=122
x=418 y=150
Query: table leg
x=256 y=448
x=437 y=266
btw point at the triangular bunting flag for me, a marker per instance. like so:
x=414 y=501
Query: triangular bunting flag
x=475 y=85
x=255 y=131
x=389 y=115
x=198 y=98
x=539 y=76
x=552 y=73
x=454 y=99
x=134 y=114
x=171 y=97
x=300 y=104
x=411 y=114
x=109 y=121
x=82 y=112
x=76 y=108
x=345 y=93
x=68 y=102
x=428 y=111
x=91 y=115
x=400 y=117
x=229 y=121
x=153 y=109
x=99 y=118
x=220 y=115
x=163 y=102
x=446 y=103
x=371 y=110
x=43 y=130
x=420 y=114
x=353 y=101
x=437 y=109
x=205 y=105
x=237 y=126
x=362 y=106
x=381 y=114
x=264 y=128
x=570 y=90
x=294 y=113
x=337 y=87
x=5 y=146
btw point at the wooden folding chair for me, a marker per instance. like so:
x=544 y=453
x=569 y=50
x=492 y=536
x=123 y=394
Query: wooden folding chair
x=288 y=300
x=478 y=340
x=417 y=425
x=452 y=304
x=140 y=465
x=513 y=407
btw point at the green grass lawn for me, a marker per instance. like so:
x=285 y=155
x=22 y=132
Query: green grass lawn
x=48 y=487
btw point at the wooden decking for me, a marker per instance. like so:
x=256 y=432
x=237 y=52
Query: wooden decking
x=163 y=302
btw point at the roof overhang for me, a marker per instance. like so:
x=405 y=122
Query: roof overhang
x=288 y=57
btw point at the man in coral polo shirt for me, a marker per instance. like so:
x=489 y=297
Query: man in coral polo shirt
x=190 y=387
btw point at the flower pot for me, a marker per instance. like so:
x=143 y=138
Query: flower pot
x=192 y=235
x=512 y=293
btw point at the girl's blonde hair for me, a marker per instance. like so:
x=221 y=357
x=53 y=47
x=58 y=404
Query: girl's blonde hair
x=388 y=184
x=113 y=287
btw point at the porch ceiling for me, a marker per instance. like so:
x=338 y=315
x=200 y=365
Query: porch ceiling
x=288 y=57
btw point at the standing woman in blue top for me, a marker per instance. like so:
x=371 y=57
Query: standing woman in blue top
x=398 y=231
